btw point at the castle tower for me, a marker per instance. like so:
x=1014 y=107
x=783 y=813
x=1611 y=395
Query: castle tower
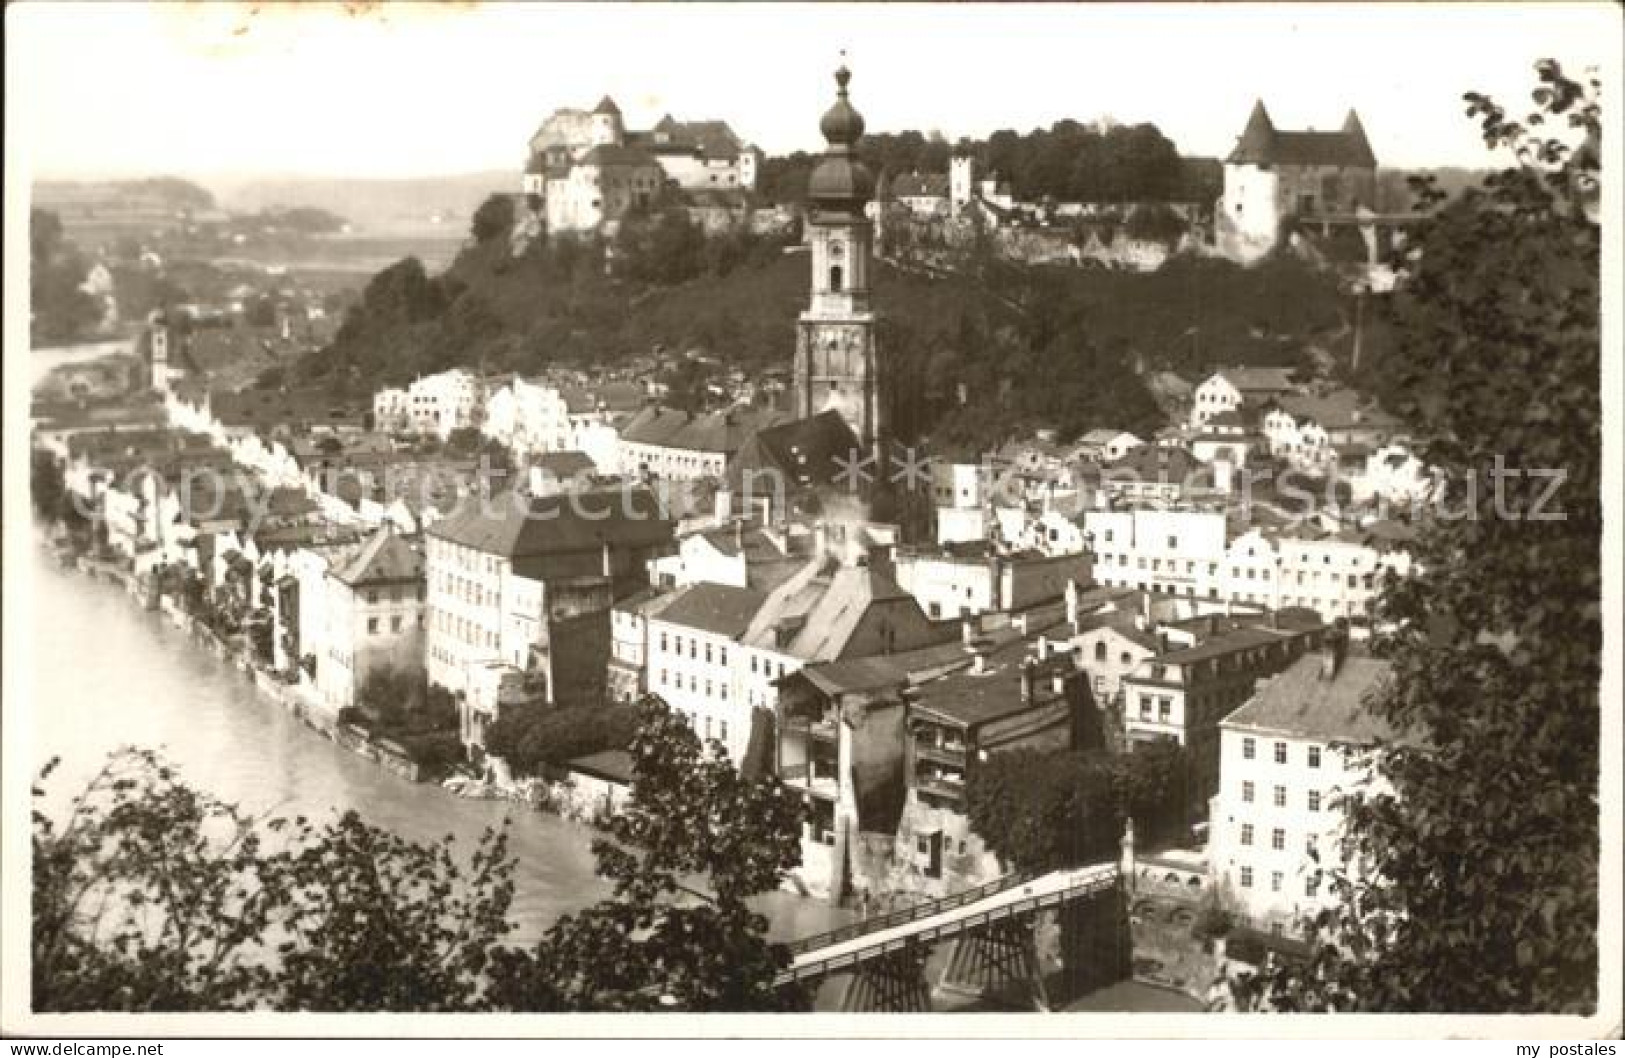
x=835 y=365
x=607 y=130
x=961 y=183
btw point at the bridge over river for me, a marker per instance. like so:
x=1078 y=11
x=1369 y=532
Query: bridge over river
x=991 y=930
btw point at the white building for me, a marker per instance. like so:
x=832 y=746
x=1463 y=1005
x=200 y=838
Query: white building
x=1233 y=388
x=391 y=409
x=439 y=404
x=1286 y=756
x=373 y=617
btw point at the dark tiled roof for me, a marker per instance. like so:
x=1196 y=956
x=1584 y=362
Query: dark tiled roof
x=718 y=608
x=384 y=559
x=920 y=185
x=560 y=524
x=564 y=465
x=611 y=765
x=1259 y=379
x=1261 y=143
x=1301 y=701
x=806 y=453
x=607 y=154
x=722 y=432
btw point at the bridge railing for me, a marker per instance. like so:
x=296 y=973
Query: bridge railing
x=910 y=914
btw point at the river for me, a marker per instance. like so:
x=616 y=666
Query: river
x=105 y=673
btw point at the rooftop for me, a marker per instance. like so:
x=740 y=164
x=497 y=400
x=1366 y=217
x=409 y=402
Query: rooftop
x=1301 y=701
x=384 y=559
x=717 y=608
x=621 y=517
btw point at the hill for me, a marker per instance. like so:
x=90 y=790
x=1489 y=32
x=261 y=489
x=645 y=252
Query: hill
x=976 y=354
x=377 y=205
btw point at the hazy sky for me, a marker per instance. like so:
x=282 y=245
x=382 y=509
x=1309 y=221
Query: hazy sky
x=218 y=89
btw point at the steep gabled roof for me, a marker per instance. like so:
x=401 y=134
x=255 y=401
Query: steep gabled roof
x=803 y=453
x=384 y=559
x=1261 y=143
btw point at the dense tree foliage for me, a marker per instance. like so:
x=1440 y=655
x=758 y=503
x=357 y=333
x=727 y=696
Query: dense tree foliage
x=1068 y=162
x=1480 y=893
x=60 y=310
x=493 y=219
x=529 y=737
x=151 y=896
x=1042 y=811
x=661 y=941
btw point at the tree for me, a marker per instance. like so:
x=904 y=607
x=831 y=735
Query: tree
x=1478 y=891
x=60 y=310
x=529 y=736
x=1043 y=811
x=661 y=941
x=149 y=895
x=155 y=897
x=493 y=219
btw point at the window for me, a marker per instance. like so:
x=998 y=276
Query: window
x=1249 y=748
x=1311 y=885
x=1275 y=881
x=1247 y=791
x=372 y=626
x=724 y=732
x=835 y=279
x=1314 y=756
x=1100 y=651
x=1246 y=877
x=708 y=653
x=1280 y=753
x=395 y=624
x=1314 y=800
x=1246 y=833
x=1145 y=707
x=1278 y=839
x=1280 y=797
x=1165 y=707
x=723 y=659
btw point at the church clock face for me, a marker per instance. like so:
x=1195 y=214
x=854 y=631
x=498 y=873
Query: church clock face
x=837 y=250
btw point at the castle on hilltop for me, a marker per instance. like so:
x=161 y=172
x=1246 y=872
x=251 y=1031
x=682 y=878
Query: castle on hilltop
x=586 y=168
x=1275 y=177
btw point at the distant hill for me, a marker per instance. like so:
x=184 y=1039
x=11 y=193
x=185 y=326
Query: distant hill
x=375 y=205
x=976 y=355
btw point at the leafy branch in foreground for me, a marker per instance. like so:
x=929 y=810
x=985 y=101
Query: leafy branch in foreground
x=152 y=896
x=1478 y=850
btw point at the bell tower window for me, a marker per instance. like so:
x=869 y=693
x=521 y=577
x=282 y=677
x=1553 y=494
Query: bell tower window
x=835 y=279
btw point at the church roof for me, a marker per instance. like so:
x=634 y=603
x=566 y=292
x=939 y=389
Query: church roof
x=804 y=453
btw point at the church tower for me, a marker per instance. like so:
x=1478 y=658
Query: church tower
x=835 y=365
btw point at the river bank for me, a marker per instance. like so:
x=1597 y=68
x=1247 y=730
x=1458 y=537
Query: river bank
x=105 y=672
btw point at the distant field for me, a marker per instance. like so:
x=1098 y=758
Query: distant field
x=357 y=254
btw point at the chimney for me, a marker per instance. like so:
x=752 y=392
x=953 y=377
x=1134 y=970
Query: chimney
x=979 y=660
x=1043 y=647
x=1019 y=623
x=1142 y=620
x=1072 y=603
x=968 y=629
x=739 y=534
x=609 y=561
x=1027 y=682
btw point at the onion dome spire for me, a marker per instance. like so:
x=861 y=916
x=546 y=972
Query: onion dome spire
x=840 y=181
x=842 y=125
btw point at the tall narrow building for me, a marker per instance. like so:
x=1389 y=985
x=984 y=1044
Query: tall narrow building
x=836 y=365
